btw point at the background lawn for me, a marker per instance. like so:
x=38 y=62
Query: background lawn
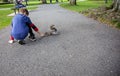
x=5 y=10
x=4 y=19
x=84 y=5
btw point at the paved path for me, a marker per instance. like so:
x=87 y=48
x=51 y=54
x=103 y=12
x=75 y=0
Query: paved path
x=84 y=47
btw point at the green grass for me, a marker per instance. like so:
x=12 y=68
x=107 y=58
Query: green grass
x=84 y=5
x=5 y=20
x=6 y=5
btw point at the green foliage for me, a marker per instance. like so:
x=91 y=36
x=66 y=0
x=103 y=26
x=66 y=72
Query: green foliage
x=118 y=25
x=114 y=20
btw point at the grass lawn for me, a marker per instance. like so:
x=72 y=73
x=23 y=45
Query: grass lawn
x=84 y=5
x=6 y=20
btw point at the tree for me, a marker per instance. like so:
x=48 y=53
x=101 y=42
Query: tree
x=44 y=1
x=50 y=1
x=26 y=2
x=73 y=2
x=116 y=5
x=56 y=1
x=106 y=1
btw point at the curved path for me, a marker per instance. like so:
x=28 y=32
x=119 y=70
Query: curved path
x=84 y=47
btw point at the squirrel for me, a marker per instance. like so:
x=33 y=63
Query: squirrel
x=53 y=31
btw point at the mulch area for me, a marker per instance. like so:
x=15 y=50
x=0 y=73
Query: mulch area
x=105 y=16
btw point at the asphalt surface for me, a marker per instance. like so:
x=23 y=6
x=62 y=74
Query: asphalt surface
x=84 y=47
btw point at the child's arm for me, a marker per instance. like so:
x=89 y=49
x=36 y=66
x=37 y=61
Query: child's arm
x=29 y=23
x=36 y=29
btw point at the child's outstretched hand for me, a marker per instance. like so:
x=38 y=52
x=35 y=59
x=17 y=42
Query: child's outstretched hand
x=41 y=34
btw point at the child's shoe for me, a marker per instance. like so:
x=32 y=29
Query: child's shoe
x=32 y=38
x=21 y=42
x=11 y=41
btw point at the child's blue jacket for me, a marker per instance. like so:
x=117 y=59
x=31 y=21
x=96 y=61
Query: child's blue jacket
x=19 y=26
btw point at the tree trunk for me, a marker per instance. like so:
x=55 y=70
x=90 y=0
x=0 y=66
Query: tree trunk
x=26 y=2
x=50 y=1
x=116 y=5
x=73 y=2
x=44 y=1
x=56 y=1
x=106 y=1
